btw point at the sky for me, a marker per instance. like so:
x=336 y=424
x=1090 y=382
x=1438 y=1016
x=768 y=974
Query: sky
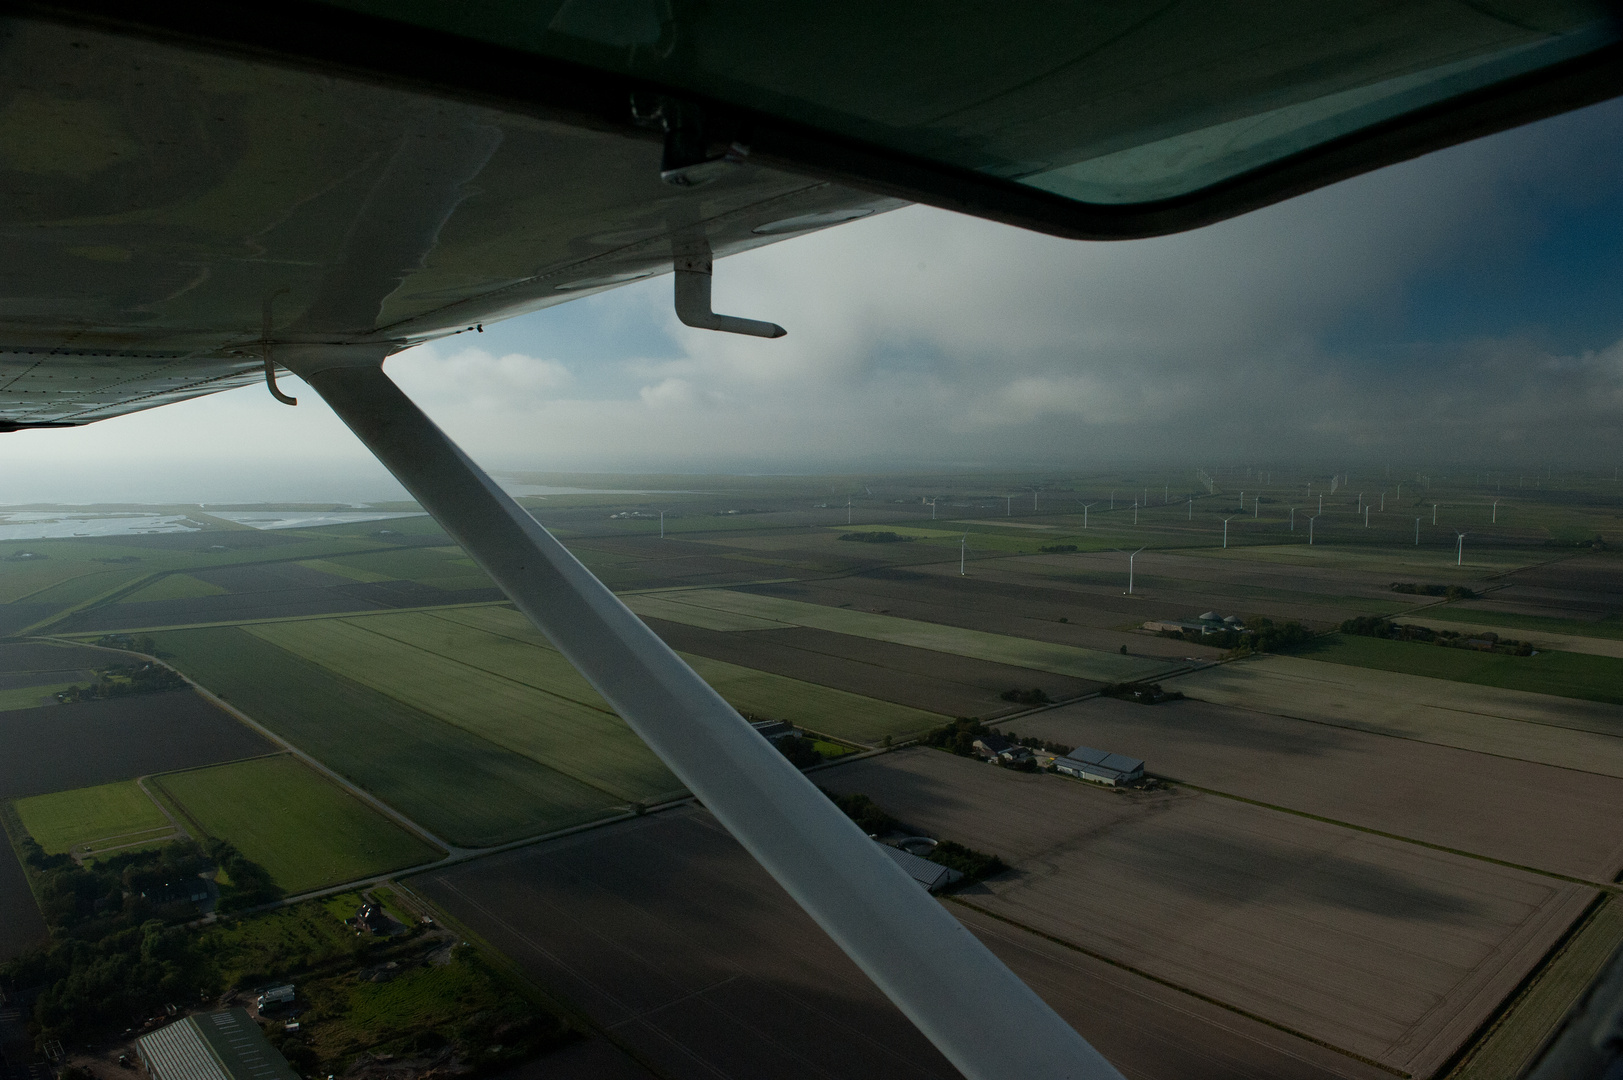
x=1466 y=306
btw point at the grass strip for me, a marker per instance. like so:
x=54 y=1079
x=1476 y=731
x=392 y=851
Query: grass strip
x=1534 y=1010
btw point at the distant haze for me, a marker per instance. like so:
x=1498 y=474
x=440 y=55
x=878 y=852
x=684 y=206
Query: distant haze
x=1467 y=306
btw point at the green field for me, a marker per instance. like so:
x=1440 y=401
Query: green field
x=1578 y=675
x=820 y=708
x=1534 y=1014
x=1610 y=627
x=521 y=698
x=458 y=786
x=999 y=648
x=302 y=828
x=110 y=813
x=29 y=697
x=445 y=568
x=173 y=587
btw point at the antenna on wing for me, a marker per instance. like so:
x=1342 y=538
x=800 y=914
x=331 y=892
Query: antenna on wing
x=270 y=365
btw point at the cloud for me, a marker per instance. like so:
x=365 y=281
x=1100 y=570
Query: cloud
x=1464 y=305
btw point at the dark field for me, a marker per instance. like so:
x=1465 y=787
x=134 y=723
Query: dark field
x=61 y=747
x=667 y=933
x=1386 y=949
x=270 y=603
x=1586 y=587
x=937 y=682
x=1533 y=815
x=20 y=922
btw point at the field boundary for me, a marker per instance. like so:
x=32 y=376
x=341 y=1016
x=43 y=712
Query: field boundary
x=1606 y=887
x=1169 y=984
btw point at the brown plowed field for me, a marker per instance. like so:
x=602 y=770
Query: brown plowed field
x=62 y=747
x=1385 y=949
x=934 y=681
x=665 y=931
x=1534 y=815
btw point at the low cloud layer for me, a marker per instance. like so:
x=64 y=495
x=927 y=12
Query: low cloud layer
x=1464 y=306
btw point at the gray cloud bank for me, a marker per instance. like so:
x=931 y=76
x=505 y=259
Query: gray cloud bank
x=922 y=339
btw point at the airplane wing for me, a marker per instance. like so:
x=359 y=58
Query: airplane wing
x=191 y=193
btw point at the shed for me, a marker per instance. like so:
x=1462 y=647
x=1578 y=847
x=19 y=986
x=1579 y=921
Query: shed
x=224 y=1045
x=1100 y=766
x=933 y=876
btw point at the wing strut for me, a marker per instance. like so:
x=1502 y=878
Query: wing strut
x=982 y=1017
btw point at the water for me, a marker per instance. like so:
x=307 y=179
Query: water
x=38 y=525
x=295 y=519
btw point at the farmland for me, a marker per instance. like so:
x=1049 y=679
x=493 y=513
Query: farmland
x=1565 y=732
x=418 y=764
x=64 y=747
x=303 y=829
x=1579 y=675
x=666 y=932
x=1384 y=949
x=1449 y=807
x=1520 y=812
x=995 y=648
x=110 y=813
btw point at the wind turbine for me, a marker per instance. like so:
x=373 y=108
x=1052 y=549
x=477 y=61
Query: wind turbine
x=1459 y=554
x=963 y=549
x=1225 y=533
x=932 y=509
x=1416 y=532
x=1310 y=522
x=1321 y=503
x=1085 y=514
x=1434 y=513
x=1191 y=508
x=848 y=511
x=1130 y=559
x=662 y=524
x=1135 y=513
x=1496 y=511
x=1293 y=519
x=1366 y=517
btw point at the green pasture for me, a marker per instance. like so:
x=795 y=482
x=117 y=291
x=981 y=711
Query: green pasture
x=523 y=699
x=173 y=587
x=820 y=708
x=30 y=697
x=999 y=648
x=1564 y=674
x=64 y=820
x=457 y=785
x=301 y=827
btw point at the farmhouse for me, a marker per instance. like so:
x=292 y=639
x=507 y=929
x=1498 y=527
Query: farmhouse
x=212 y=1046
x=1086 y=763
